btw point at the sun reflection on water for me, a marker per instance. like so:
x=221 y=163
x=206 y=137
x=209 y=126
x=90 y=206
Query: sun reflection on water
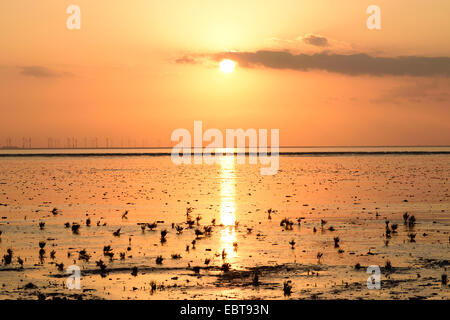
x=228 y=206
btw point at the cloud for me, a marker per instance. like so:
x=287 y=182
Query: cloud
x=186 y=60
x=418 y=92
x=42 y=72
x=315 y=40
x=349 y=64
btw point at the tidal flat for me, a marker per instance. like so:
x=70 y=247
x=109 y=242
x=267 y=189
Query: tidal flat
x=140 y=227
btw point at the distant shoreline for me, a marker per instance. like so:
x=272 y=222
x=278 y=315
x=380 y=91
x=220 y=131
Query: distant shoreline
x=166 y=154
x=281 y=147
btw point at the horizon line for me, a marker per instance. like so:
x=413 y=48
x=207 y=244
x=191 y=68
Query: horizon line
x=170 y=147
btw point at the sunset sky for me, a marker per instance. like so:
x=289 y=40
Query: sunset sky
x=140 y=69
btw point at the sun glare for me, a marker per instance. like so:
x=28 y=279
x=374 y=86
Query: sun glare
x=227 y=65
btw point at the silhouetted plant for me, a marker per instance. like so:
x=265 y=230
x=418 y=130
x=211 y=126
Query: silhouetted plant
x=225 y=267
x=444 y=279
x=75 y=228
x=405 y=218
x=152 y=225
x=319 y=257
x=292 y=243
x=411 y=221
x=336 y=242
x=287 y=288
x=388 y=266
x=159 y=260
x=163 y=236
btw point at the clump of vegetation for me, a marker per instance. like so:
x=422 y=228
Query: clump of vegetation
x=75 y=228
x=287 y=224
x=292 y=243
x=388 y=266
x=7 y=258
x=444 y=279
x=388 y=230
x=41 y=225
x=176 y=256
x=411 y=221
x=319 y=257
x=152 y=286
x=134 y=271
x=269 y=213
x=412 y=237
x=108 y=251
x=152 y=225
x=225 y=267
x=163 y=235
x=208 y=230
x=102 y=267
x=179 y=229
x=190 y=223
x=287 y=288
x=358 y=266
x=159 y=260
x=405 y=218
x=198 y=233
x=83 y=255
x=336 y=242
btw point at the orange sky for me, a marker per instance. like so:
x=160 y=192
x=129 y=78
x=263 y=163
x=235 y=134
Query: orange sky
x=118 y=76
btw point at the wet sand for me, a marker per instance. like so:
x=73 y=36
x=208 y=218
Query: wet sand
x=354 y=194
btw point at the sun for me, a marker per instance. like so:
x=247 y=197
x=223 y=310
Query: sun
x=227 y=65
